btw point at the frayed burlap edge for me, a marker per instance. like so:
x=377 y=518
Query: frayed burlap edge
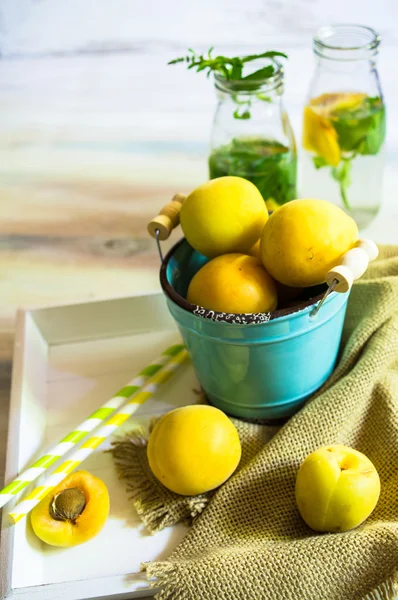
x=165 y=577
x=153 y=510
x=388 y=590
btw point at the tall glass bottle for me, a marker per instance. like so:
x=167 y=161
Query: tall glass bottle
x=252 y=136
x=344 y=123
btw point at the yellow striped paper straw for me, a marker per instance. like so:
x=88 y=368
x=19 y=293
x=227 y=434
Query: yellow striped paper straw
x=92 y=422
x=116 y=420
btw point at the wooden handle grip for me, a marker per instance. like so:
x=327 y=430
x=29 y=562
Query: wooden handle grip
x=353 y=265
x=167 y=219
x=370 y=248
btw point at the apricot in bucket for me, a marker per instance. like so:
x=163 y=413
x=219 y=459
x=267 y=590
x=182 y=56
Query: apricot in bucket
x=233 y=283
x=304 y=239
x=222 y=216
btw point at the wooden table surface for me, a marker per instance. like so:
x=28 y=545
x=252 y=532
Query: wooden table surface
x=96 y=133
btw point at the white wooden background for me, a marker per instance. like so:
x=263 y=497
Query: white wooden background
x=86 y=94
x=78 y=60
x=96 y=131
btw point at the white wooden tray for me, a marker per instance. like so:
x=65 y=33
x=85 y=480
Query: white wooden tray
x=68 y=360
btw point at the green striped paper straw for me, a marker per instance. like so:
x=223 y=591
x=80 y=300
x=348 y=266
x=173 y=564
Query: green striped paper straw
x=93 y=421
x=78 y=456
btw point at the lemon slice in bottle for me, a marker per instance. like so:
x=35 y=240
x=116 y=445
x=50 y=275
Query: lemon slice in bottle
x=327 y=104
x=320 y=137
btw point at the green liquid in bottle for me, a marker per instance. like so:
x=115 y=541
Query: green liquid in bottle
x=271 y=166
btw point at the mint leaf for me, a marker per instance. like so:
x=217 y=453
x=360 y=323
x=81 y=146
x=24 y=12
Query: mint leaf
x=319 y=162
x=236 y=71
x=270 y=54
x=178 y=60
x=376 y=133
x=361 y=129
x=230 y=67
x=263 y=73
x=241 y=115
x=263 y=97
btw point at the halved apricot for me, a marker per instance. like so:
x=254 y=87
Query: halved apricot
x=74 y=512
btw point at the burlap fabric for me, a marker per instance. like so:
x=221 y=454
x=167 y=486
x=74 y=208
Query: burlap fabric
x=250 y=542
x=157 y=506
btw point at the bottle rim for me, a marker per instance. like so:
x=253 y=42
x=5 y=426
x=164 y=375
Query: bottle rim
x=346 y=41
x=267 y=84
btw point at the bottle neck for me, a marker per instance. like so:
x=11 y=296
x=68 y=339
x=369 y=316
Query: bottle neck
x=347 y=45
x=250 y=105
x=347 y=67
x=263 y=94
x=346 y=58
x=270 y=89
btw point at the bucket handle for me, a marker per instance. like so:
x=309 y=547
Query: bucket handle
x=352 y=266
x=167 y=219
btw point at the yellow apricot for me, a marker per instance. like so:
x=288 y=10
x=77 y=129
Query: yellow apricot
x=74 y=512
x=255 y=250
x=223 y=215
x=337 y=488
x=304 y=239
x=193 y=449
x=233 y=283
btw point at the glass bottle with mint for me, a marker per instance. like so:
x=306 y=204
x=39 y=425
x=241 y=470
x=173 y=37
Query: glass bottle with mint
x=344 y=123
x=252 y=136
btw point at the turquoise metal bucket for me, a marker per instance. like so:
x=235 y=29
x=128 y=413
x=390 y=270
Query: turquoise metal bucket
x=263 y=370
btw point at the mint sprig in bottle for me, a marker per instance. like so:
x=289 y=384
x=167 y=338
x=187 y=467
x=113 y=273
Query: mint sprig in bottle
x=251 y=136
x=344 y=123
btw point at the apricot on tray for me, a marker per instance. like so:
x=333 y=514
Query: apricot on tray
x=193 y=449
x=74 y=512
